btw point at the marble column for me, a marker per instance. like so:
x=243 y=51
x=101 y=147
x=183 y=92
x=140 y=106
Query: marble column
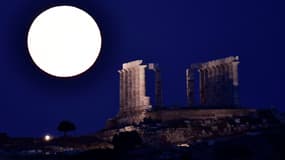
x=142 y=90
x=158 y=84
x=210 y=84
x=235 y=83
x=218 y=84
x=190 y=81
x=202 y=86
x=121 y=88
x=213 y=86
x=136 y=86
x=127 y=83
x=223 y=75
x=158 y=88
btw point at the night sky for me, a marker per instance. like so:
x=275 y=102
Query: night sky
x=172 y=33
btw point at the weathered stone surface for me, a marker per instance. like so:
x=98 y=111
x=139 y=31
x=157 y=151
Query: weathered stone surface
x=218 y=81
x=187 y=126
x=176 y=114
x=133 y=99
x=218 y=87
x=190 y=86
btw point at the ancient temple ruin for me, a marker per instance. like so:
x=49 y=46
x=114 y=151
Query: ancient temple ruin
x=133 y=100
x=218 y=85
x=132 y=88
x=218 y=82
x=215 y=115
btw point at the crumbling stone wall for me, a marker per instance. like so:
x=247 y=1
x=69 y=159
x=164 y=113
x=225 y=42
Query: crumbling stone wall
x=167 y=115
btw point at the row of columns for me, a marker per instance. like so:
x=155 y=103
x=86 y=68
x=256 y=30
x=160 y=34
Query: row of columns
x=132 y=87
x=218 y=82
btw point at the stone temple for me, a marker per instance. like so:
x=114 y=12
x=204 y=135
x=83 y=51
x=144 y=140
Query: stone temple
x=212 y=111
x=218 y=85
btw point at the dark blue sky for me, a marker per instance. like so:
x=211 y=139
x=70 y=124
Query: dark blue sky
x=172 y=33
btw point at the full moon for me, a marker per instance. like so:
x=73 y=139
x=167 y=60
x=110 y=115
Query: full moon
x=64 y=41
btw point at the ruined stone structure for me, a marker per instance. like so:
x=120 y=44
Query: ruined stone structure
x=132 y=87
x=165 y=115
x=185 y=120
x=133 y=99
x=218 y=87
x=158 y=85
x=218 y=81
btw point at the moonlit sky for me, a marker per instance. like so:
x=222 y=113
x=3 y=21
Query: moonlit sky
x=64 y=41
x=171 y=33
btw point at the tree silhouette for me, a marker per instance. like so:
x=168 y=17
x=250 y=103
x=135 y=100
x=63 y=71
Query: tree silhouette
x=66 y=126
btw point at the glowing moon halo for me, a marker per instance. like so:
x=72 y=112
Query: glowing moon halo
x=64 y=41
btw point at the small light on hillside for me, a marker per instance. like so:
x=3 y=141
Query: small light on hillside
x=47 y=138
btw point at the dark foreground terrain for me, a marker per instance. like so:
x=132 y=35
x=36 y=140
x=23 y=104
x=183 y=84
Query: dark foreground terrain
x=262 y=145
